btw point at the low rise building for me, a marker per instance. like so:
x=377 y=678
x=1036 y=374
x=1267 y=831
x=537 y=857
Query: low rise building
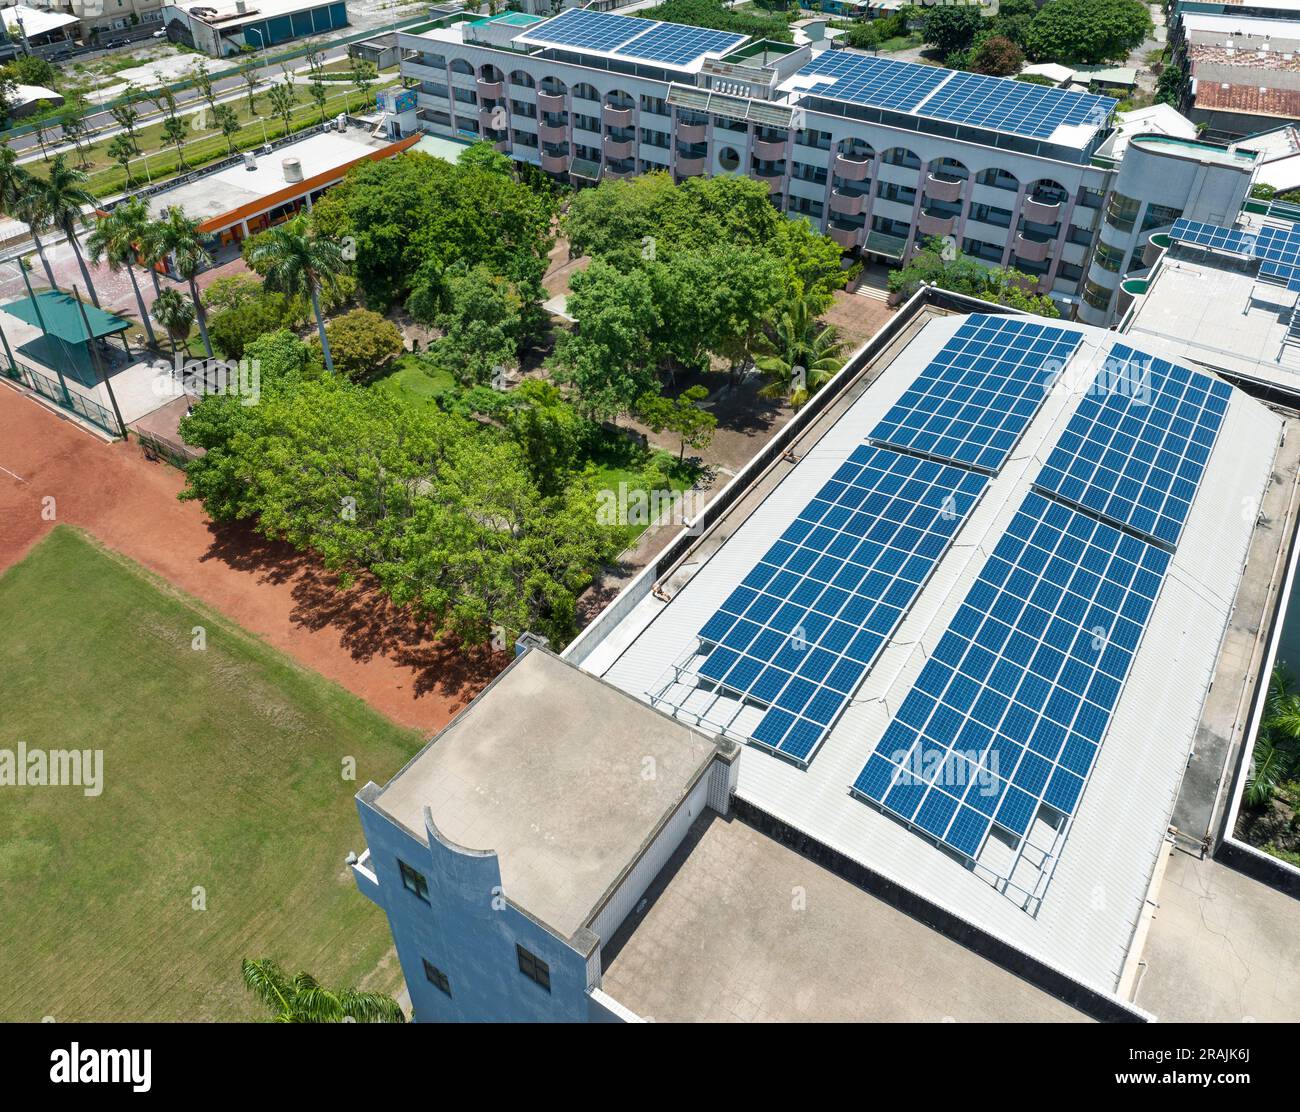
x=229 y=28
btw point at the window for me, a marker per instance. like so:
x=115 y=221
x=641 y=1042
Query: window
x=436 y=977
x=1097 y=296
x=728 y=159
x=414 y=881
x=1091 y=198
x=1121 y=212
x=1082 y=236
x=1109 y=258
x=1157 y=216
x=532 y=967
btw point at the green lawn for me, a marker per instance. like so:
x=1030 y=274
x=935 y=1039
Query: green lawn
x=413 y=383
x=222 y=769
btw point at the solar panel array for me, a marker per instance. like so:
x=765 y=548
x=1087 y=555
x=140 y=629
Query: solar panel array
x=996 y=103
x=879 y=82
x=1011 y=708
x=671 y=43
x=807 y=622
x=676 y=45
x=593 y=30
x=973 y=402
x=1005 y=105
x=1278 y=249
x=1138 y=443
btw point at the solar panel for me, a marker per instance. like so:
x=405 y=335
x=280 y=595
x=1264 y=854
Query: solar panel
x=880 y=82
x=807 y=622
x=1137 y=445
x=1278 y=249
x=675 y=44
x=990 y=102
x=1012 y=706
x=1014 y=106
x=975 y=399
x=593 y=30
x=1198 y=234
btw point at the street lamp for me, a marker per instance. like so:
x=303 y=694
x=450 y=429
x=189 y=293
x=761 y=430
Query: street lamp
x=250 y=30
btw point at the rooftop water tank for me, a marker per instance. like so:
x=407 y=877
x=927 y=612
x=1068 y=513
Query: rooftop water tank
x=292 y=169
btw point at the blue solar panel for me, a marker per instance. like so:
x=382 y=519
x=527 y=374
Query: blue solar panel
x=1012 y=706
x=973 y=402
x=675 y=44
x=1137 y=445
x=593 y=30
x=1277 y=249
x=880 y=82
x=807 y=622
x=1016 y=106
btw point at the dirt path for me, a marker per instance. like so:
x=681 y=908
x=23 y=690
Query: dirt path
x=354 y=637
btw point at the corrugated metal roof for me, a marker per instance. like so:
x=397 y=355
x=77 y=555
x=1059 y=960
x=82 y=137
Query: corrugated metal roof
x=1085 y=923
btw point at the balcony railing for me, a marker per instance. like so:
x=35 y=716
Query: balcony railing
x=848 y=204
x=692 y=133
x=490 y=90
x=619 y=148
x=943 y=187
x=935 y=224
x=845 y=237
x=551 y=102
x=1042 y=212
x=852 y=167
x=616 y=117
x=690 y=167
x=552 y=133
x=555 y=163
x=772 y=149
x=1034 y=249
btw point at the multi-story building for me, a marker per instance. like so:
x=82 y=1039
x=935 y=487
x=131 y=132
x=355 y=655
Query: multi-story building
x=878 y=153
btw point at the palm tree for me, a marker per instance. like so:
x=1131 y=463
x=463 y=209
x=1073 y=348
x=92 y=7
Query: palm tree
x=114 y=239
x=30 y=209
x=294 y=261
x=300 y=999
x=14 y=180
x=174 y=313
x=178 y=236
x=1277 y=748
x=800 y=355
x=65 y=199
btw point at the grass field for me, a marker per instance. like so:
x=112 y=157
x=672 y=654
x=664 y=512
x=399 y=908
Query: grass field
x=413 y=383
x=222 y=769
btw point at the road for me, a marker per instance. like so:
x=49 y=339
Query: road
x=100 y=119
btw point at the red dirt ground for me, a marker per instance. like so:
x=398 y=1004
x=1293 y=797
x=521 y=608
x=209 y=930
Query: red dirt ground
x=354 y=637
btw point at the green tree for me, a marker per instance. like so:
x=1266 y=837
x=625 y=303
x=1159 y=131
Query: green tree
x=480 y=326
x=64 y=199
x=952 y=27
x=282 y=100
x=363 y=77
x=1087 y=31
x=319 y=93
x=126 y=117
x=609 y=360
x=300 y=999
x=248 y=71
x=1276 y=758
x=73 y=124
x=682 y=416
x=178 y=238
x=121 y=151
x=799 y=355
x=174 y=313
x=202 y=81
x=296 y=261
x=227 y=119
x=362 y=343
x=173 y=130
x=233 y=329
x=952 y=270
x=113 y=241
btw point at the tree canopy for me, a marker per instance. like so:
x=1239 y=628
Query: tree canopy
x=962 y=274
x=1087 y=31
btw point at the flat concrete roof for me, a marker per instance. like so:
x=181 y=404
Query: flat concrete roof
x=213 y=195
x=1211 y=310
x=776 y=937
x=563 y=775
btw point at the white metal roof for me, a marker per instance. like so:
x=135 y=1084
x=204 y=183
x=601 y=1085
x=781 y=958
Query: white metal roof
x=35 y=21
x=1087 y=917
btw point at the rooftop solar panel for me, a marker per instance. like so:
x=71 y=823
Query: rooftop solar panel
x=1015 y=106
x=674 y=44
x=593 y=30
x=975 y=399
x=879 y=82
x=1234 y=240
x=1138 y=443
x=1010 y=710
x=807 y=622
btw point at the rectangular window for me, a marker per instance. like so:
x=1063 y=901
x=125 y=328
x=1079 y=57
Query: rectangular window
x=1109 y=258
x=532 y=967
x=1121 y=212
x=1091 y=198
x=436 y=977
x=1158 y=216
x=414 y=881
x=1081 y=236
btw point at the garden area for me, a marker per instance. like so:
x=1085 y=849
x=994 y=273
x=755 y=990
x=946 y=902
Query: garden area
x=423 y=418
x=1270 y=804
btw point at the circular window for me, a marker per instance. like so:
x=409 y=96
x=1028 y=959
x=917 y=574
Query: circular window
x=728 y=159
